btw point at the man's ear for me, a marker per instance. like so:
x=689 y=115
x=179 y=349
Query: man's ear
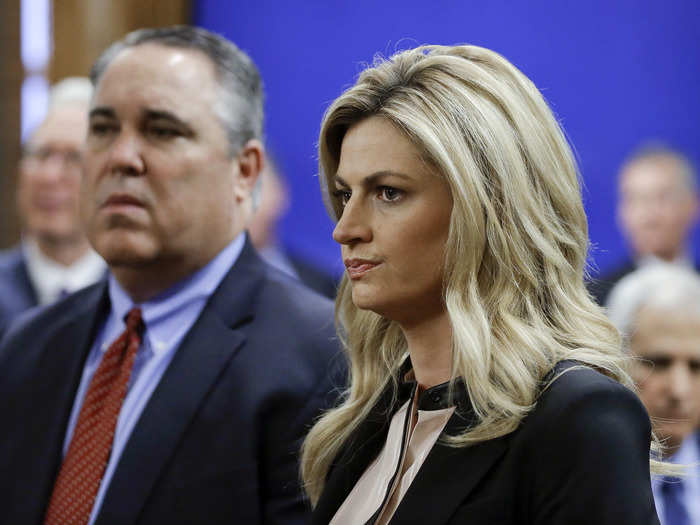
x=250 y=161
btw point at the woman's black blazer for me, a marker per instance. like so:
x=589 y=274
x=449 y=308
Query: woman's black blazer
x=580 y=457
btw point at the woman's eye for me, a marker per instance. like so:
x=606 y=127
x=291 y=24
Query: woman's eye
x=343 y=196
x=387 y=193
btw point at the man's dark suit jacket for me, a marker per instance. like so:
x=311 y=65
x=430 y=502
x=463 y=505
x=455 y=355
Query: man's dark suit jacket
x=218 y=440
x=581 y=457
x=16 y=291
x=315 y=278
x=601 y=286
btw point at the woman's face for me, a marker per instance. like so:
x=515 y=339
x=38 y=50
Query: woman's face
x=394 y=224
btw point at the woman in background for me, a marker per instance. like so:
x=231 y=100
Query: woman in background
x=486 y=387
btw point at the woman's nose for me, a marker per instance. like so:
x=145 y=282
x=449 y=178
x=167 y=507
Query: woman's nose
x=353 y=226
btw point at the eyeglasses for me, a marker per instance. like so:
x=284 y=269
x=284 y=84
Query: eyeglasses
x=69 y=158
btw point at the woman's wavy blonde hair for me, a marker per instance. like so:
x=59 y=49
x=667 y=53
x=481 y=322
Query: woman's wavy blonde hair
x=516 y=251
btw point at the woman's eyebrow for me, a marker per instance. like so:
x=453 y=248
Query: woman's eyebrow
x=373 y=178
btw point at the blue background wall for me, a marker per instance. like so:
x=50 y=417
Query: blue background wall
x=616 y=72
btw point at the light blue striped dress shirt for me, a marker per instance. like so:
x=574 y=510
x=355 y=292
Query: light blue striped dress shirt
x=168 y=317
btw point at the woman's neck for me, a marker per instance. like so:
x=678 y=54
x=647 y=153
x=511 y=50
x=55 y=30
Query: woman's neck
x=430 y=346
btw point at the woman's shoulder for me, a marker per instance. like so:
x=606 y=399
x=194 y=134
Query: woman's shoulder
x=583 y=451
x=577 y=397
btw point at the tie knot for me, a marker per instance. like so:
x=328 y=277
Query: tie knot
x=134 y=322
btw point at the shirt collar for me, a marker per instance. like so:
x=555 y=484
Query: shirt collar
x=50 y=278
x=162 y=312
x=436 y=397
x=683 y=260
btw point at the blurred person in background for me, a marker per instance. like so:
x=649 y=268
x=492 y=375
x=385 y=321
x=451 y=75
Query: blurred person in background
x=54 y=257
x=657 y=209
x=273 y=203
x=657 y=309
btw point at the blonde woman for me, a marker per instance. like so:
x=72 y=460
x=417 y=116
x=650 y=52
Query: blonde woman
x=486 y=387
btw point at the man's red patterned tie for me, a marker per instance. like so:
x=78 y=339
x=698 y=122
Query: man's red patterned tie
x=83 y=467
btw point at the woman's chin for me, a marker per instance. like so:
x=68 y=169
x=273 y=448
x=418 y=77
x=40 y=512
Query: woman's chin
x=365 y=299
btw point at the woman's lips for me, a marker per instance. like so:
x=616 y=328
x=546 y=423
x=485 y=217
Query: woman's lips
x=357 y=268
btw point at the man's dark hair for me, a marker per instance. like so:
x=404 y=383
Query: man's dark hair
x=241 y=109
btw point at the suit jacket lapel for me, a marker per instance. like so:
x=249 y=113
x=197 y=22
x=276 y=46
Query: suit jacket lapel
x=24 y=285
x=353 y=459
x=450 y=474
x=60 y=368
x=447 y=477
x=209 y=347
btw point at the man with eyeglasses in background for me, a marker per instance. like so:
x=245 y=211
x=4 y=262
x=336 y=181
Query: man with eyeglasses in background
x=54 y=257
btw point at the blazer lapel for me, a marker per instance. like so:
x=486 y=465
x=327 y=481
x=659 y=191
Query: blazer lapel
x=364 y=445
x=206 y=350
x=450 y=474
x=446 y=478
x=24 y=286
x=60 y=369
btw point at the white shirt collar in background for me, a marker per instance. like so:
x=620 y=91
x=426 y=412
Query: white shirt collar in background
x=50 y=278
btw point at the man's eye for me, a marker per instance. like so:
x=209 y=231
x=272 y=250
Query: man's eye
x=389 y=194
x=658 y=363
x=164 y=133
x=342 y=196
x=101 y=128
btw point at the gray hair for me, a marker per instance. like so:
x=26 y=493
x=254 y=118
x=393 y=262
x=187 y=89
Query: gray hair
x=660 y=286
x=70 y=90
x=658 y=150
x=241 y=108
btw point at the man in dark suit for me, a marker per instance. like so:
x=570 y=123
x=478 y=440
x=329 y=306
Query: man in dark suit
x=657 y=309
x=54 y=256
x=657 y=208
x=178 y=391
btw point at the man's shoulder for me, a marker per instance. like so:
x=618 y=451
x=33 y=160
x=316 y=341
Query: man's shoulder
x=13 y=270
x=314 y=277
x=11 y=258
x=293 y=322
x=601 y=285
x=16 y=291
x=285 y=293
x=39 y=322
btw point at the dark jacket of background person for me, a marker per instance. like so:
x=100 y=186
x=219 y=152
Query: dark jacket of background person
x=48 y=186
x=534 y=475
x=16 y=291
x=220 y=432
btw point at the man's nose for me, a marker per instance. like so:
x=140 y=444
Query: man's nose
x=680 y=382
x=353 y=225
x=53 y=169
x=126 y=155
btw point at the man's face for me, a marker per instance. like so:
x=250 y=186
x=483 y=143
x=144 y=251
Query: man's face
x=657 y=208
x=49 y=176
x=668 y=371
x=160 y=186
